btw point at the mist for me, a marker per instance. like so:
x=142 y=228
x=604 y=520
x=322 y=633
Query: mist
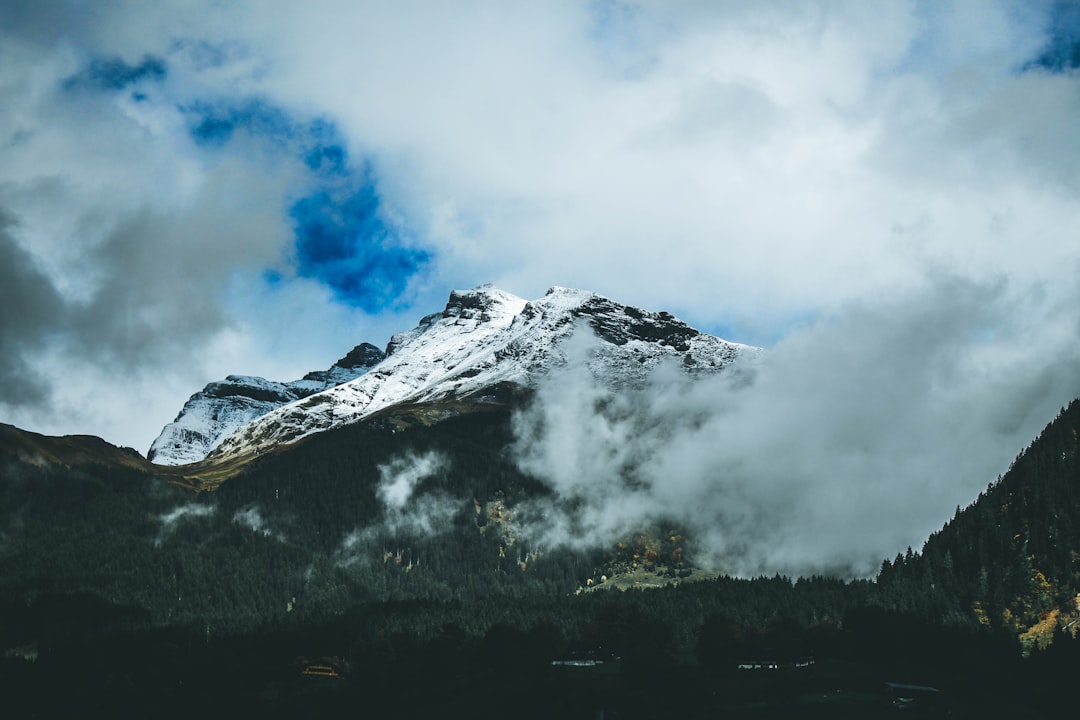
x=851 y=440
x=406 y=512
x=251 y=517
x=172 y=519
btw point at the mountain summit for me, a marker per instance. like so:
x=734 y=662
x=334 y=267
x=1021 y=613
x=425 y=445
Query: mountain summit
x=484 y=341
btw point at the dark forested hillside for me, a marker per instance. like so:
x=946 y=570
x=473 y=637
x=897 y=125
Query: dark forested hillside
x=392 y=550
x=303 y=532
x=1012 y=558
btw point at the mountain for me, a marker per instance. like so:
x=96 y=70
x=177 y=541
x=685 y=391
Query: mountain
x=399 y=541
x=1011 y=559
x=484 y=346
x=34 y=449
x=220 y=408
x=403 y=547
x=144 y=597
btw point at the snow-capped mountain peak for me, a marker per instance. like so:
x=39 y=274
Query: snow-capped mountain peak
x=483 y=339
x=485 y=306
x=222 y=407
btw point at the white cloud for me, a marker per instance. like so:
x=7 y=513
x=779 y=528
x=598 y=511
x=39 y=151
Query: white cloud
x=858 y=436
x=407 y=512
x=758 y=166
x=399 y=477
x=251 y=518
x=170 y=520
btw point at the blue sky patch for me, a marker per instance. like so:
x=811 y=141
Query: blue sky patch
x=341 y=238
x=622 y=41
x=273 y=278
x=325 y=149
x=113 y=74
x=344 y=243
x=216 y=124
x=1062 y=52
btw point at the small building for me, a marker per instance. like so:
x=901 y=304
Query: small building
x=802 y=662
x=333 y=668
x=585 y=658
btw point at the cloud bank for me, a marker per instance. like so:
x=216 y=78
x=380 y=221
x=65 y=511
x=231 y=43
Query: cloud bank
x=855 y=437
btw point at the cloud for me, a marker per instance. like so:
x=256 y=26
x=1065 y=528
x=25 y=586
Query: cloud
x=717 y=152
x=190 y=510
x=408 y=512
x=183 y=180
x=251 y=518
x=343 y=237
x=171 y=520
x=857 y=436
x=29 y=309
x=399 y=477
x=1062 y=52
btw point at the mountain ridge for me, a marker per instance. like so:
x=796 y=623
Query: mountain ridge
x=37 y=449
x=223 y=406
x=484 y=339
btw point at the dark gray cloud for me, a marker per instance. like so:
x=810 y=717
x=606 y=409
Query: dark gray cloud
x=157 y=297
x=31 y=311
x=40 y=21
x=149 y=304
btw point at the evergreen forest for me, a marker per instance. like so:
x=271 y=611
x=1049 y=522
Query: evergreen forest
x=300 y=587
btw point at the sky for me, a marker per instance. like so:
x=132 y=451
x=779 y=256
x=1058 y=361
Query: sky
x=883 y=194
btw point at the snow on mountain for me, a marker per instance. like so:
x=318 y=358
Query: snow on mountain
x=484 y=338
x=221 y=408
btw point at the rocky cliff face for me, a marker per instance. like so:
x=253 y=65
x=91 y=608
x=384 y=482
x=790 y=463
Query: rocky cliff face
x=220 y=408
x=484 y=339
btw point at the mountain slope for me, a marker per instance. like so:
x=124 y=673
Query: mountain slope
x=487 y=339
x=39 y=450
x=1011 y=559
x=220 y=408
x=133 y=589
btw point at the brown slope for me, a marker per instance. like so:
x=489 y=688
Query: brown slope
x=71 y=450
x=34 y=448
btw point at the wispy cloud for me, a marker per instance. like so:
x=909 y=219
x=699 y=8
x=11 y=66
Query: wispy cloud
x=172 y=519
x=408 y=512
x=251 y=517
